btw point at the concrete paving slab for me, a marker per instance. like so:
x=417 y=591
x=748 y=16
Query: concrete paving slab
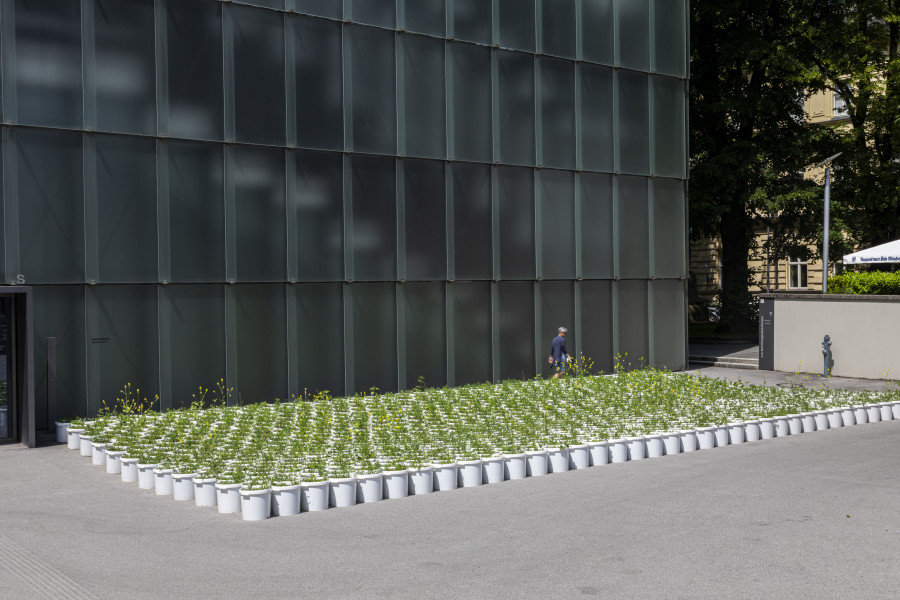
x=782 y=379
x=805 y=516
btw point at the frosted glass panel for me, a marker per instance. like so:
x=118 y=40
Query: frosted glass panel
x=126 y=209
x=472 y=331
x=51 y=206
x=374 y=93
x=123 y=342
x=317 y=55
x=559 y=27
x=597 y=30
x=426 y=220
x=258 y=75
x=516 y=199
x=668 y=228
x=597 y=140
x=557 y=310
x=517 y=25
x=48 y=62
x=374 y=12
x=668 y=324
x=596 y=324
x=374 y=336
x=59 y=313
x=259 y=214
x=596 y=226
x=125 y=73
x=516 y=329
x=634 y=33
x=318 y=207
x=426 y=334
x=423 y=61
x=634 y=253
x=471 y=102
x=557 y=189
x=516 y=86
x=472 y=221
x=633 y=328
x=669 y=31
x=196 y=212
x=320 y=365
x=668 y=123
x=261 y=342
x=374 y=219
x=558 y=112
x=194 y=36
x=634 y=125
x=197 y=333
x=426 y=16
x=321 y=8
x=472 y=20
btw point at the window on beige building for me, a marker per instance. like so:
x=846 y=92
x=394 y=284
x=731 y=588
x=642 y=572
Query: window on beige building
x=796 y=274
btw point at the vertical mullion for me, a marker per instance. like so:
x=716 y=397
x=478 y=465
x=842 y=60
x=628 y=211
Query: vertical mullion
x=163 y=223
x=92 y=363
x=579 y=241
x=230 y=215
x=292 y=294
x=615 y=228
x=651 y=267
x=91 y=226
x=538 y=120
x=539 y=26
x=349 y=363
x=292 y=291
x=495 y=331
x=347 y=79
x=448 y=18
x=538 y=347
x=451 y=338
x=579 y=332
x=579 y=30
x=651 y=338
x=448 y=100
x=401 y=335
x=231 y=342
x=579 y=134
x=538 y=227
x=161 y=46
x=651 y=33
x=291 y=229
x=400 y=185
x=615 y=122
x=448 y=220
x=651 y=124
x=495 y=107
x=348 y=216
x=164 y=315
x=88 y=66
x=11 y=204
x=228 y=71
x=348 y=10
x=8 y=58
x=495 y=222
x=400 y=87
x=290 y=82
x=614 y=328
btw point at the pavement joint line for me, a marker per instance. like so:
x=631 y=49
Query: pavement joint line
x=39 y=574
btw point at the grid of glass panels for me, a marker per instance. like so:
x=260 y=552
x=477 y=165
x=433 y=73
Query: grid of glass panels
x=296 y=195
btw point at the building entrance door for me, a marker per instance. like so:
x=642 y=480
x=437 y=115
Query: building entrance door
x=8 y=412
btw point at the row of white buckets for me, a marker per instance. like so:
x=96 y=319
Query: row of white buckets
x=311 y=496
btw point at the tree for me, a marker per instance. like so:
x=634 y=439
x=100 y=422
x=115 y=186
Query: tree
x=855 y=48
x=749 y=140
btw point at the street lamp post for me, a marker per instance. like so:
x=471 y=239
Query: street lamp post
x=827 y=164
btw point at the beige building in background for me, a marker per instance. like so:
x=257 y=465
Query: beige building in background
x=770 y=275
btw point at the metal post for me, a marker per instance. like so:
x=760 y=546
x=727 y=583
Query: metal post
x=825 y=236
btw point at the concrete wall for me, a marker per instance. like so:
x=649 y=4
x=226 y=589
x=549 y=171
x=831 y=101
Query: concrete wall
x=864 y=330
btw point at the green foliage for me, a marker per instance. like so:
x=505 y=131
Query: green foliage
x=865 y=283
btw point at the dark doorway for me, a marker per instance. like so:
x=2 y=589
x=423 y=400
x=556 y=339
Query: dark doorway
x=16 y=367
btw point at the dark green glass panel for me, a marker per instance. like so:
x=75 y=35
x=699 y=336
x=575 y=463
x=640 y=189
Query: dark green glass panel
x=558 y=27
x=633 y=327
x=59 y=313
x=596 y=324
x=634 y=33
x=374 y=336
x=373 y=75
x=471 y=74
x=258 y=75
x=426 y=220
x=472 y=20
x=197 y=334
x=472 y=221
x=51 y=206
x=261 y=342
x=516 y=87
x=597 y=140
x=516 y=186
x=374 y=12
x=597 y=30
x=320 y=362
x=516 y=329
x=634 y=123
x=668 y=324
x=558 y=112
x=668 y=228
x=426 y=334
x=471 y=305
x=426 y=115
x=557 y=310
x=557 y=189
x=517 y=25
x=317 y=55
x=596 y=226
x=634 y=242
x=374 y=219
x=126 y=209
x=318 y=208
x=48 y=62
x=125 y=72
x=426 y=16
x=260 y=232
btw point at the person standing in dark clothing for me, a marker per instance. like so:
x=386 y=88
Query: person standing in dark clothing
x=559 y=357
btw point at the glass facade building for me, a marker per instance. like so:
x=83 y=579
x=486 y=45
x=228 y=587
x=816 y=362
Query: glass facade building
x=297 y=195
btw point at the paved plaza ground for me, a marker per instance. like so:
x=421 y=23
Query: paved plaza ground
x=808 y=516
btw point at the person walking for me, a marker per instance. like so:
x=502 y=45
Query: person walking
x=559 y=357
